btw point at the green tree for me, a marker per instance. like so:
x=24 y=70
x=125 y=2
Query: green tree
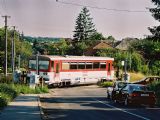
x=79 y=48
x=22 y=48
x=84 y=28
x=62 y=47
x=156 y=14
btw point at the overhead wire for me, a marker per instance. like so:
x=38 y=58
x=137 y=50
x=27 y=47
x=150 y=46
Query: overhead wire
x=103 y=8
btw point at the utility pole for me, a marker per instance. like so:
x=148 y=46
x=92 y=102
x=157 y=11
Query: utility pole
x=13 y=50
x=19 y=62
x=37 y=63
x=125 y=70
x=6 y=18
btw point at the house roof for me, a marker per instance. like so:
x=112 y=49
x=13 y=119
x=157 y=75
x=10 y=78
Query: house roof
x=102 y=45
x=125 y=43
x=97 y=46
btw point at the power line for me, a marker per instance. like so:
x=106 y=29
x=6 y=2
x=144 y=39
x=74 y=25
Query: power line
x=103 y=8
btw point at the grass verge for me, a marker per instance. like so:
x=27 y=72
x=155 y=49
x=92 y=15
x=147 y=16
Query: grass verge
x=9 y=91
x=136 y=76
x=106 y=84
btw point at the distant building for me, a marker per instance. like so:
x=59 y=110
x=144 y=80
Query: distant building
x=98 y=46
x=125 y=43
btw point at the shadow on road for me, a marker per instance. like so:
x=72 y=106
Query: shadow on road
x=89 y=108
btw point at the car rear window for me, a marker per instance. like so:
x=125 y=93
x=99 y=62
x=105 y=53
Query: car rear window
x=138 y=88
x=121 y=85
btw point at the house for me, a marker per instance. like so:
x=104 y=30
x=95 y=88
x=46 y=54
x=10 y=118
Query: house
x=125 y=43
x=97 y=46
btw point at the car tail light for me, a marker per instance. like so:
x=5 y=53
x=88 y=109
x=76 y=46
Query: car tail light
x=134 y=94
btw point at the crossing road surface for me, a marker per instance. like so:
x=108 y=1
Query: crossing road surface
x=90 y=103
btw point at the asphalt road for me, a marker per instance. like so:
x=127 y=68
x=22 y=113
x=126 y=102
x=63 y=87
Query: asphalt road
x=90 y=103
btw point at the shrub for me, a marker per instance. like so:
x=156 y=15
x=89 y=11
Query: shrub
x=9 y=91
x=3 y=102
x=4 y=79
x=41 y=90
x=106 y=84
x=155 y=86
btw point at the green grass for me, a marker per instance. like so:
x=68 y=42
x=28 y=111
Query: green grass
x=136 y=76
x=9 y=91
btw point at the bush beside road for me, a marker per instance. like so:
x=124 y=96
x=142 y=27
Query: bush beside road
x=9 y=91
x=155 y=86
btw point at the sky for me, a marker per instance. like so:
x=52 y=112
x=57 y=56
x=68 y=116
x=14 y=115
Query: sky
x=49 y=18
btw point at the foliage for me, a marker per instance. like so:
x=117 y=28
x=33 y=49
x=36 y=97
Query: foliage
x=40 y=39
x=151 y=54
x=97 y=36
x=148 y=49
x=106 y=84
x=3 y=101
x=22 y=48
x=155 y=67
x=84 y=28
x=9 y=91
x=79 y=48
x=134 y=60
x=156 y=29
x=155 y=86
x=62 y=47
x=4 y=79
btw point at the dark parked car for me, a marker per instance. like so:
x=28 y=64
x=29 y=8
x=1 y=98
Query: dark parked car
x=117 y=85
x=136 y=94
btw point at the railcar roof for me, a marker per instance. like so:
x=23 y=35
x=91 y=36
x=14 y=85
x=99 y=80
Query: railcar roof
x=52 y=57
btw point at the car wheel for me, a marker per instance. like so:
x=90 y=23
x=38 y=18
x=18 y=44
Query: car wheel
x=126 y=102
x=151 y=105
x=108 y=96
x=115 y=101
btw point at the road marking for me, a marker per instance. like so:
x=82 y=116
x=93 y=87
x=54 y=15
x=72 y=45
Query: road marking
x=122 y=110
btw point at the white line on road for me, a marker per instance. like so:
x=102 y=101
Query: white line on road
x=122 y=110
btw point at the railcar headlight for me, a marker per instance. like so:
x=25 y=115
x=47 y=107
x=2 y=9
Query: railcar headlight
x=45 y=73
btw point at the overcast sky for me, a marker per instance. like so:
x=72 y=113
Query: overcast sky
x=54 y=19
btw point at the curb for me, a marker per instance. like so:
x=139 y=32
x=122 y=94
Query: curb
x=43 y=117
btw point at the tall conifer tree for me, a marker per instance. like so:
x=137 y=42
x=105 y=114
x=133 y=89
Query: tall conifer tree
x=156 y=14
x=84 y=26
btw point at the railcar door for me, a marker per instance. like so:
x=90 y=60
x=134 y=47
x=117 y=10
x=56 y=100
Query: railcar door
x=56 y=70
x=108 y=68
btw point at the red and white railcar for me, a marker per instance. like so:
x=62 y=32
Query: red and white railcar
x=72 y=69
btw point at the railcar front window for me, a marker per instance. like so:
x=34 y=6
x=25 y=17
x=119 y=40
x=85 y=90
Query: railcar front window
x=43 y=65
x=32 y=64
